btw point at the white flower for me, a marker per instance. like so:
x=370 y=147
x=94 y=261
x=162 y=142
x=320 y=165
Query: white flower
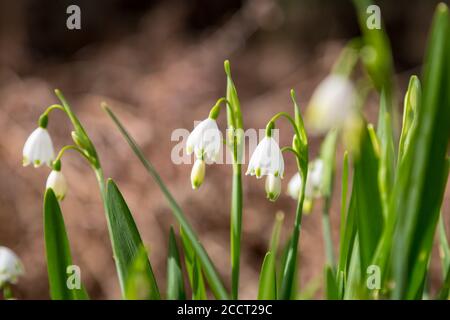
x=57 y=182
x=38 y=148
x=273 y=187
x=198 y=173
x=313 y=181
x=267 y=159
x=10 y=266
x=315 y=177
x=332 y=104
x=205 y=140
x=295 y=185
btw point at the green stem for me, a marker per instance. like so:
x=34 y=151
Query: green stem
x=7 y=292
x=53 y=107
x=327 y=233
x=236 y=228
x=288 y=117
x=291 y=262
x=72 y=147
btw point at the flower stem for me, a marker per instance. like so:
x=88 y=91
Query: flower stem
x=327 y=233
x=291 y=262
x=72 y=147
x=236 y=227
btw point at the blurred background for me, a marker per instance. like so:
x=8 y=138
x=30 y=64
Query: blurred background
x=159 y=65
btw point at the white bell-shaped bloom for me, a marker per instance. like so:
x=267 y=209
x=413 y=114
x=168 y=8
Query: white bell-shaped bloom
x=295 y=186
x=198 y=173
x=273 y=187
x=332 y=104
x=11 y=267
x=205 y=140
x=313 y=181
x=57 y=182
x=266 y=159
x=315 y=177
x=38 y=148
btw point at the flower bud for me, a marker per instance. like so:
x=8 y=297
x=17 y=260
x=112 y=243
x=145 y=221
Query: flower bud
x=273 y=187
x=198 y=173
x=57 y=182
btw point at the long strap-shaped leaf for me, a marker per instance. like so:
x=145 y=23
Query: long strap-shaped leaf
x=175 y=284
x=126 y=240
x=419 y=191
x=211 y=274
x=194 y=269
x=58 y=253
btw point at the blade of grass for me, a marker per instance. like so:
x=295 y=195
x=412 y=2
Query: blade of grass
x=175 y=282
x=58 y=252
x=125 y=240
x=208 y=268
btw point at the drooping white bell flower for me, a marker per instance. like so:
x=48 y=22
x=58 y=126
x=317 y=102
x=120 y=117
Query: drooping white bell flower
x=332 y=104
x=57 y=182
x=198 y=173
x=38 y=148
x=205 y=140
x=273 y=187
x=294 y=186
x=11 y=267
x=313 y=181
x=315 y=177
x=266 y=159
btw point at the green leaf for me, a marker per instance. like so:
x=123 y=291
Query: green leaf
x=444 y=249
x=387 y=154
x=411 y=107
x=369 y=214
x=175 y=282
x=328 y=156
x=125 y=239
x=208 y=268
x=418 y=193
x=376 y=54
x=268 y=279
x=347 y=243
x=194 y=269
x=346 y=230
x=444 y=252
x=57 y=249
x=332 y=291
x=138 y=285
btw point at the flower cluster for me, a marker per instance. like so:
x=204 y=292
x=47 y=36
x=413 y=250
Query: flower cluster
x=38 y=149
